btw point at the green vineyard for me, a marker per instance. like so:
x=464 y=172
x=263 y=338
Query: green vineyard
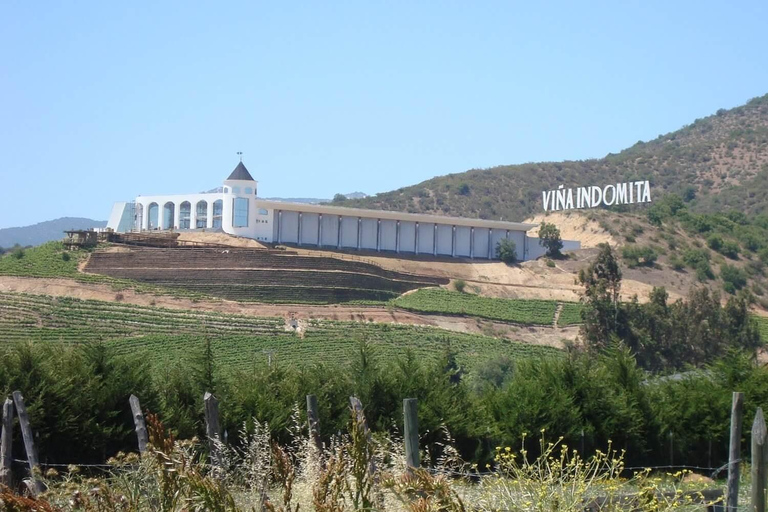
x=570 y=314
x=238 y=341
x=521 y=311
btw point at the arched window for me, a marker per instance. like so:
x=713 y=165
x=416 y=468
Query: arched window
x=240 y=212
x=247 y=191
x=152 y=212
x=185 y=211
x=168 y=211
x=201 y=217
x=263 y=211
x=226 y=190
x=217 y=207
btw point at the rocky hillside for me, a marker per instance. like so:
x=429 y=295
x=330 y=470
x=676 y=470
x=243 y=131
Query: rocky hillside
x=717 y=162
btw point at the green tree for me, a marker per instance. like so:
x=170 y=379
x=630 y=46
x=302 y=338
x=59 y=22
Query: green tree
x=549 y=237
x=506 y=251
x=339 y=198
x=602 y=284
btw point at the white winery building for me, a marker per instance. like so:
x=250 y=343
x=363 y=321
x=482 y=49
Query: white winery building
x=236 y=209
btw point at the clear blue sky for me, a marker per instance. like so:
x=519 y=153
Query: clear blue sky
x=101 y=101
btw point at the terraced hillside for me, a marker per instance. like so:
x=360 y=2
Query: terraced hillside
x=263 y=276
x=238 y=341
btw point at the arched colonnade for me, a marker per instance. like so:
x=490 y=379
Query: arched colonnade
x=180 y=215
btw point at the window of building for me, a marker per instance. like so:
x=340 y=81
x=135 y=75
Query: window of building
x=226 y=190
x=201 y=218
x=168 y=210
x=235 y=190
x=218 y=205
x=248 y=191
x=240 y=212
x=152 y=213
x=185 y=212
x=263 y=211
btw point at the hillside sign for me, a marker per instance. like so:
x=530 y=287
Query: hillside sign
x=630 y=192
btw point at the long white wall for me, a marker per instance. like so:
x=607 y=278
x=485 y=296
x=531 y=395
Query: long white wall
x=333 y=227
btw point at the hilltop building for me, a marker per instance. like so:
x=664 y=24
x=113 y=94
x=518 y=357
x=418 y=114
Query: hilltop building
x=236 y=209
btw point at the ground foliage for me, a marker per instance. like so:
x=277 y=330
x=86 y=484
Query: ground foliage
x=436 y=300
x=663 y=335
x=78 y=399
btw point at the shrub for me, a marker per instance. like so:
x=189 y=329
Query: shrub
x=730 y=249
x=551 y=264
x=18 y=253
x=506 y=251
x=704 y=271
x=715 y=242
x=733 y=278
x=692 y=257
x=676 y=263
x=65 y=256
x=639 y=256
x=462 y=189
x=459 y=285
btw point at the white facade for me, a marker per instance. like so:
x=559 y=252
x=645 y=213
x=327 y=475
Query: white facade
x=237 y=210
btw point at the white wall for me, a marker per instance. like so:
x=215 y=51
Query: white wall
x=462 y=241
x=330 y=230
x=349 y=232
x=426 y=237
x=407 y=236
x=388 y=229
x=309 y=224
x=444 y=239
x=368 y=238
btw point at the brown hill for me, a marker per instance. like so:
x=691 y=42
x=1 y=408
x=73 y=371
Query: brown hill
x=722 y=160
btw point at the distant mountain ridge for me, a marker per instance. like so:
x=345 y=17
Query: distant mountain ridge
x=721 y=160
x=42 y=232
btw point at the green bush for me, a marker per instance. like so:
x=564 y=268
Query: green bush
x=506 y=251
x=18 y=253
x=676 y=263
x=639 y=256
x=730 y=249
x=459 y=285
x=715 y=242
x=733 y=278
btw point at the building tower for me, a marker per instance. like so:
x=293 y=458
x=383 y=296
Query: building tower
x=239 y=209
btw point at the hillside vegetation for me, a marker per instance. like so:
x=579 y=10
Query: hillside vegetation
x=719 y=161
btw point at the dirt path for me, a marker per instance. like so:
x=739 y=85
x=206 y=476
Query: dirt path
x=93 y=291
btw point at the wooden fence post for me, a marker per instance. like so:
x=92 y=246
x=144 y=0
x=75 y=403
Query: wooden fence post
x=6 y=445
x=138 y=421
x=411 y=419
x=212 y=429
x=758 y=462
x=36 y=486
x=734 y=450
x=313 y=418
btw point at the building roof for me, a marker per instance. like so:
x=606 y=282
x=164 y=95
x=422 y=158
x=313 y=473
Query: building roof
x=393 y=215
x=240 y=174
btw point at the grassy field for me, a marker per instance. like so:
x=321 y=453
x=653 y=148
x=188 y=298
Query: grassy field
x=238 y=341
x=520 y=311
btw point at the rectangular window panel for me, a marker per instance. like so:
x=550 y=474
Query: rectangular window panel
x=240 y=212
